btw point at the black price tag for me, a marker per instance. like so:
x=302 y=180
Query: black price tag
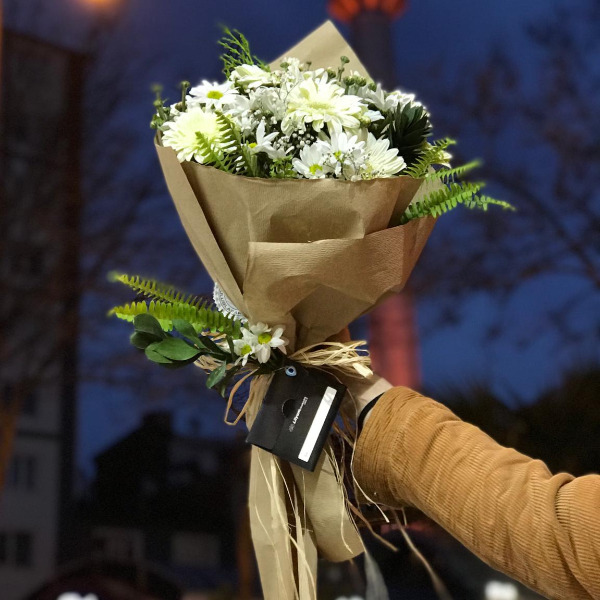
x=297 y=414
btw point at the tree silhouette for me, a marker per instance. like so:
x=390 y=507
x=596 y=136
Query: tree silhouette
x=537 y=127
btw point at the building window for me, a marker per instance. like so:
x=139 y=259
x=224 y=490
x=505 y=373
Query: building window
x=23 y=472
x=16 y=549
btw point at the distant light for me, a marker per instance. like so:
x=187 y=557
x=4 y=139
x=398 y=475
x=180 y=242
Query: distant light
x=98 y=2
x=74 y=596
x=495 y=590
x=347 y=10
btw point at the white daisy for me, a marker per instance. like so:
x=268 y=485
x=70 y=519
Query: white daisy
x=245 y=346
x=312 y=162
x=345 y=154
x=380 y=159
x=181 y=133
x=264 y=143
x=267 y=339
x=213 y=95
x=321 y=102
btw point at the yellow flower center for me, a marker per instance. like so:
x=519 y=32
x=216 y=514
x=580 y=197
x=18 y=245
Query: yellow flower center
x=252 y=144
x=315 y=168
x=264 y=338
x=247 y=349
x=214 y=94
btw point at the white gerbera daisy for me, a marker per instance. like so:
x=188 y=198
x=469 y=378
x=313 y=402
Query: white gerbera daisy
x=181 y=133
x=213 y=95
x=322 y=102
x=380 y=159
x=312 y=162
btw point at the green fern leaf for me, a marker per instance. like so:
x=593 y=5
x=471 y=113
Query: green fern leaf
x=246 y=162
x=449 y=175
x=445 y=199
x=432 y=154
x=201 y=319
x=157 y=291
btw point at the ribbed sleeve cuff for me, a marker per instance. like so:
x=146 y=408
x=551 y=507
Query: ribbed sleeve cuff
x=379 y=447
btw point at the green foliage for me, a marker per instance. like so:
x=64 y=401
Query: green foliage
x=407 y=128
x=157 y=291
x=432 y=154
x=281 y=168
x=449 y=175
x=236 y=51
x=162 y=112
x=214 y=155
x=201 y=318
x=445 y=199
x=246 y=162
x=454 y=192
x=174 y=352
x=169 y=305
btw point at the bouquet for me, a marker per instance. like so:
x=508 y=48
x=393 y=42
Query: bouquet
x=308 y=192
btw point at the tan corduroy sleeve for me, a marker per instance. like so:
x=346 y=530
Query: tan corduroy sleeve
x=539 y=528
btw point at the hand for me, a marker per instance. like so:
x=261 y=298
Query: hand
x=362 y=390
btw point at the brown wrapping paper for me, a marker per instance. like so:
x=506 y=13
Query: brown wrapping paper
x=311 y=255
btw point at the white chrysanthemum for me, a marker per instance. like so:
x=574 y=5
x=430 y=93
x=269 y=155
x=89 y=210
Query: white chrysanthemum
x=321 y=102
x=386 y=102
x=266 y=340
x=259 y=341
x=214 y=95
x=345 y=154
x=380 y=159
x=251 y=76
x=264 y=143
x=244 y=347
x=399 y=98
x=268 y=102
x=312 y=162
x=181 y=133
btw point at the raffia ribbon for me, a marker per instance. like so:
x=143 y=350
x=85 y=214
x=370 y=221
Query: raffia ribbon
x=295 y=513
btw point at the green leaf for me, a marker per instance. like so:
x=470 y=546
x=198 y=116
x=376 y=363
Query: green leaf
x=141 y=339
x=176 y=349
x=231 y=346
x=146 y=323
x=227 y=379
x=155 y=356
x=216 y=376
x=185 y=328
x=211 y=346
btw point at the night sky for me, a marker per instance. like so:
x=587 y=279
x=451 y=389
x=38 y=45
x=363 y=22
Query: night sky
x=181 y=35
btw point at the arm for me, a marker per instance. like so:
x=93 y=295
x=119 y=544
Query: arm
x=541 y=529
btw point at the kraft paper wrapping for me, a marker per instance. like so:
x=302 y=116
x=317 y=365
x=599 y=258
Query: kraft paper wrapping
x=312 y=255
